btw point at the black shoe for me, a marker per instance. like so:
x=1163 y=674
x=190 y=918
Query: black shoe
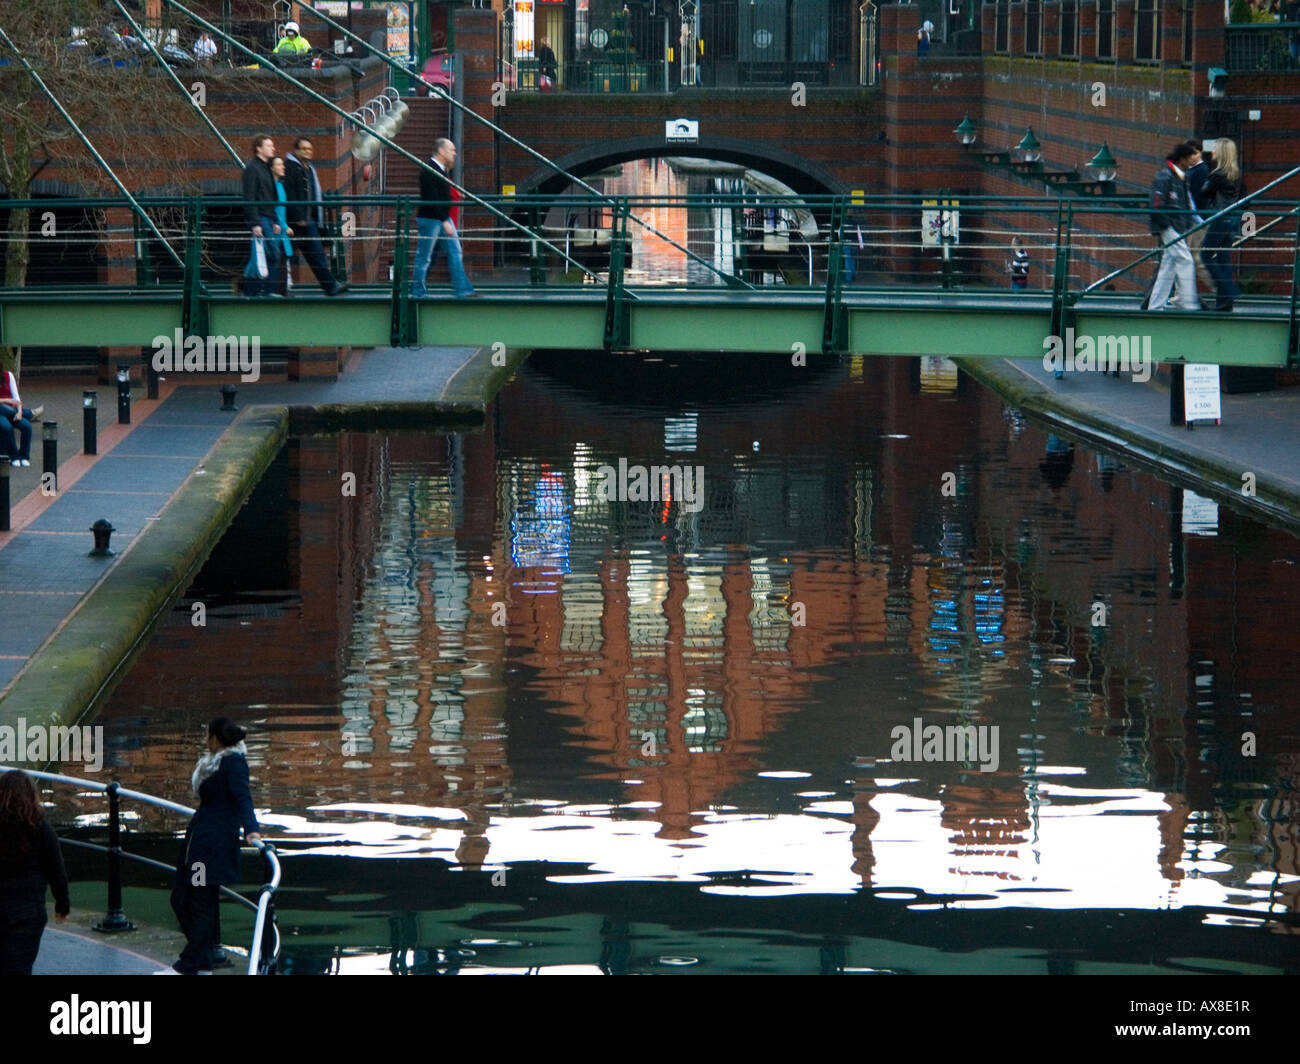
x=1224 y=305
x=219 y=959
x=339 y=289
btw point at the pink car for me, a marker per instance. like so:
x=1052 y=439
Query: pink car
x=438 y=71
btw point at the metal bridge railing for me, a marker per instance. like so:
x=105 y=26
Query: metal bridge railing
x=264 y=949
x=1080 y=248
x=1262 y=48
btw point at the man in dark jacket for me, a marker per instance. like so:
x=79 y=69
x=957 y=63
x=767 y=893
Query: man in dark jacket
x=1171 y=216
x=306 y=213
x=433 y=220
x=259 y=215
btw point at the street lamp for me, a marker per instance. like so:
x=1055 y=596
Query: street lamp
x=1028 y=150
x=50 y=452
x=965 y=131
x=1103 y=164
x=124 y=395
x=90 y=445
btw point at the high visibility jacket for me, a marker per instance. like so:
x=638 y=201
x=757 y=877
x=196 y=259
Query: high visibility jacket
x=292 y=45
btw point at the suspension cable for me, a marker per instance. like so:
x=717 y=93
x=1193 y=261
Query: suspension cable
x=90 y=147
x=373 y=132
x=379 y=54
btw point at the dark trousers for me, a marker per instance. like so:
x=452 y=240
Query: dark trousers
x=21 y=927
x=197 y=910
x=1217 y=256
x=307 y=239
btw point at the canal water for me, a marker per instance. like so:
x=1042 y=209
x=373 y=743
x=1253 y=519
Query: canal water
x=510 y=713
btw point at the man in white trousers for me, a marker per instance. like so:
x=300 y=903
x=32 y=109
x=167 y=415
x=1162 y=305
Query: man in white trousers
x=1172 y=216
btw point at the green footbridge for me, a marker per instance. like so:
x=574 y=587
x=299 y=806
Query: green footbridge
x=805 y=275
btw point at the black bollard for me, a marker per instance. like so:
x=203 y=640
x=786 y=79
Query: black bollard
x=50 y=451
x=124 y=395
x=4 y=495
x=103 y=532
x=90 y=444
x=114 y=919
x=228 y=397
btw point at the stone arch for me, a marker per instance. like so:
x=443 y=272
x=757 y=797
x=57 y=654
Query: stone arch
x=805 y=177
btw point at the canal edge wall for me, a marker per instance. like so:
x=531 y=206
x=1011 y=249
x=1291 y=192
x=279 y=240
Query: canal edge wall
x=66 y=678
x=107 y=628
x=1274 y=502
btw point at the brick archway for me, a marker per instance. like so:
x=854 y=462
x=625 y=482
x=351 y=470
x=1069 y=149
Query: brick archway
x=805 y=177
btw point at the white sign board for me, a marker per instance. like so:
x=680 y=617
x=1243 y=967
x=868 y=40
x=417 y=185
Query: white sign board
x=682 y=131
x=942 y=226
x=1201 y=393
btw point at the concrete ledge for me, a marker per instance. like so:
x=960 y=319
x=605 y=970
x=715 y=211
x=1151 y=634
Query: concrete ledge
x=103 y=635
x=478 y=380
x=1274 y=502
x=375 y=416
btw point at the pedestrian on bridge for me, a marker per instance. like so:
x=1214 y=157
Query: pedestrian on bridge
x=1198 y=173
x=1171 y=217
x=437 y=230
x=29 y=859
x=259 y=215
x=306 y=211
x=1018 y=265
x=1223 y=188
x=283 y=280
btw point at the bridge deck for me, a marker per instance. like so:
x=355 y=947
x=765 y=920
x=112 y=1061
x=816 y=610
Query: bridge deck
x=876 y=321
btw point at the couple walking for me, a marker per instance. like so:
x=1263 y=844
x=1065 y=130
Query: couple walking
x=1185 y=192
x=283 y=200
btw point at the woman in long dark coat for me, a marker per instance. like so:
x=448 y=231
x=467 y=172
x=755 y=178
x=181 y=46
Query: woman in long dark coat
x=210 y=854
x=1223 y=188
x=29 y=859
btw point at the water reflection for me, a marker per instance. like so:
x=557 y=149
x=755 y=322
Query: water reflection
x=491 y=704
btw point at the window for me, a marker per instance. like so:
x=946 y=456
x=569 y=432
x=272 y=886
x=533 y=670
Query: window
x=1105 y=29
x=1146 y=30
x=1189 y=29
x=1034 y=27
x=1002 y=42
x=1070 y=28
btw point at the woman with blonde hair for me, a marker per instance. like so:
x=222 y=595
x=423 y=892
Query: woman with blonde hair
x=1223 y=188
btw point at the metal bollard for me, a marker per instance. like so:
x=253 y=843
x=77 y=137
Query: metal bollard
x=4 y=495
x=103 y=531
x=50 y=452
x=114 y=919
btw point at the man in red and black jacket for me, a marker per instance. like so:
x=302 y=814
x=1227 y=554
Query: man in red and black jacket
x=1171 y=216
x=437 y=230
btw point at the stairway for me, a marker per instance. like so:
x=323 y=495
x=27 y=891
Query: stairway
x=430 y=118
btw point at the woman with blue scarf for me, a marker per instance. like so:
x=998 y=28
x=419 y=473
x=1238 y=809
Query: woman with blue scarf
x=284 y=282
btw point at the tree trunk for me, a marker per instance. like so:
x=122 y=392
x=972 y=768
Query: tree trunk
x=17 y=253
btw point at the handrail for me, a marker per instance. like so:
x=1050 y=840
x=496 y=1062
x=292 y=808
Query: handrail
x=263 y=908
x=1182 y=236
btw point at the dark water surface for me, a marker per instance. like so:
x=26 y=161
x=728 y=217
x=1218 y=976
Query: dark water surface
x=501 y=723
